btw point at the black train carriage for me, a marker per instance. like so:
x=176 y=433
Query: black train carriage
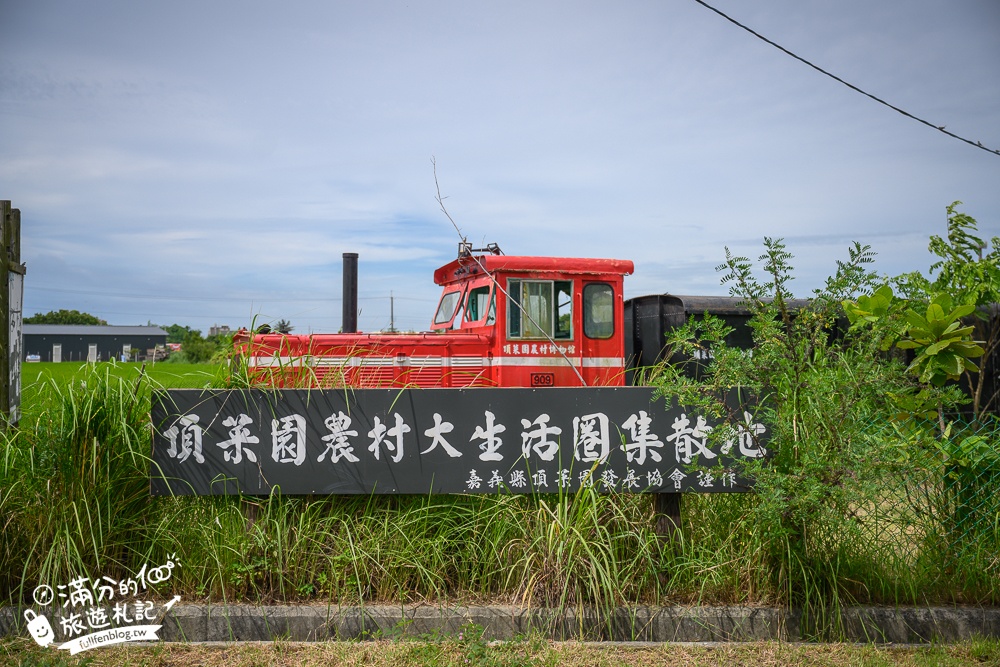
x=648 y=320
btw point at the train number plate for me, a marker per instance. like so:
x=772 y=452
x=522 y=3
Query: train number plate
x=543 y=379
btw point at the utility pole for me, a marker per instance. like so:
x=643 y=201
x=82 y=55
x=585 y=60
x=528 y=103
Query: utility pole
x=392 y=313
x=11 y=299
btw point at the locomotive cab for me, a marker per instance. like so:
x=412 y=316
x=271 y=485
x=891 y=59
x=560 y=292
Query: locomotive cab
x=551 y=321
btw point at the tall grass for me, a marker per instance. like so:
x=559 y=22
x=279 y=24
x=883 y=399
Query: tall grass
x=74 y=502
x=71 y=481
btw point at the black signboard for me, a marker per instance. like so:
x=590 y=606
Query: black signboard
x=419 y=441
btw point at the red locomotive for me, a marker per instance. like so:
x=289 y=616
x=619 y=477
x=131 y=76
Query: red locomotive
x=502 y=321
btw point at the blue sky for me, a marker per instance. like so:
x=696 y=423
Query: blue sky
x=209 y=163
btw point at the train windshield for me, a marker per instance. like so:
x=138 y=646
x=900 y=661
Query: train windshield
x=479 y=305
x=449 y=304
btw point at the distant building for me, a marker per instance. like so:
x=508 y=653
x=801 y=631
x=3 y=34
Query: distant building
x=82 y=342
x=219 y=330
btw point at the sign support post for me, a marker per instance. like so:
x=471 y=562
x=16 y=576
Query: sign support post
x=11 y=298
x=668 y=516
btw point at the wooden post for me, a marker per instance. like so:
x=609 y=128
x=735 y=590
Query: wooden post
x=251 y=511
x=668 y=515
x=11 y=296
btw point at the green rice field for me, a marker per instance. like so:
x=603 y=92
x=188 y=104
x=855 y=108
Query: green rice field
x=165 y=375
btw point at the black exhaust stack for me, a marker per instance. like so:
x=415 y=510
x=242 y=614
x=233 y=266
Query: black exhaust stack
x=350 y=292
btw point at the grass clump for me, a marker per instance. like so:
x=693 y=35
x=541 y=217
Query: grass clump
x=73 y=481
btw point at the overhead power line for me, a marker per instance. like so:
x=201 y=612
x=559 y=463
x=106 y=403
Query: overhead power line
x=223 y=298
x=939 y=128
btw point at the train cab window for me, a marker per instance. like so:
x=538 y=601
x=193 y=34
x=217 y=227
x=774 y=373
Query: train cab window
x=540 y=309
x=446 y=309
x=456 y=323
x=479 y=304
x=598 y=310
x=564 y=309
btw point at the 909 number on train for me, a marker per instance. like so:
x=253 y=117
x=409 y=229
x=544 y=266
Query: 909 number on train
x=543 y=380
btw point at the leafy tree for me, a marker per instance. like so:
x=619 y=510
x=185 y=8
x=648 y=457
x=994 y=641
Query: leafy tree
x=970 y=277
x=64 y=317
x=820 y=391
x=826 y=393
x=944 y=345
x=283 y=326
x=944 y=320
x=177 y=333
x=198 y=350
